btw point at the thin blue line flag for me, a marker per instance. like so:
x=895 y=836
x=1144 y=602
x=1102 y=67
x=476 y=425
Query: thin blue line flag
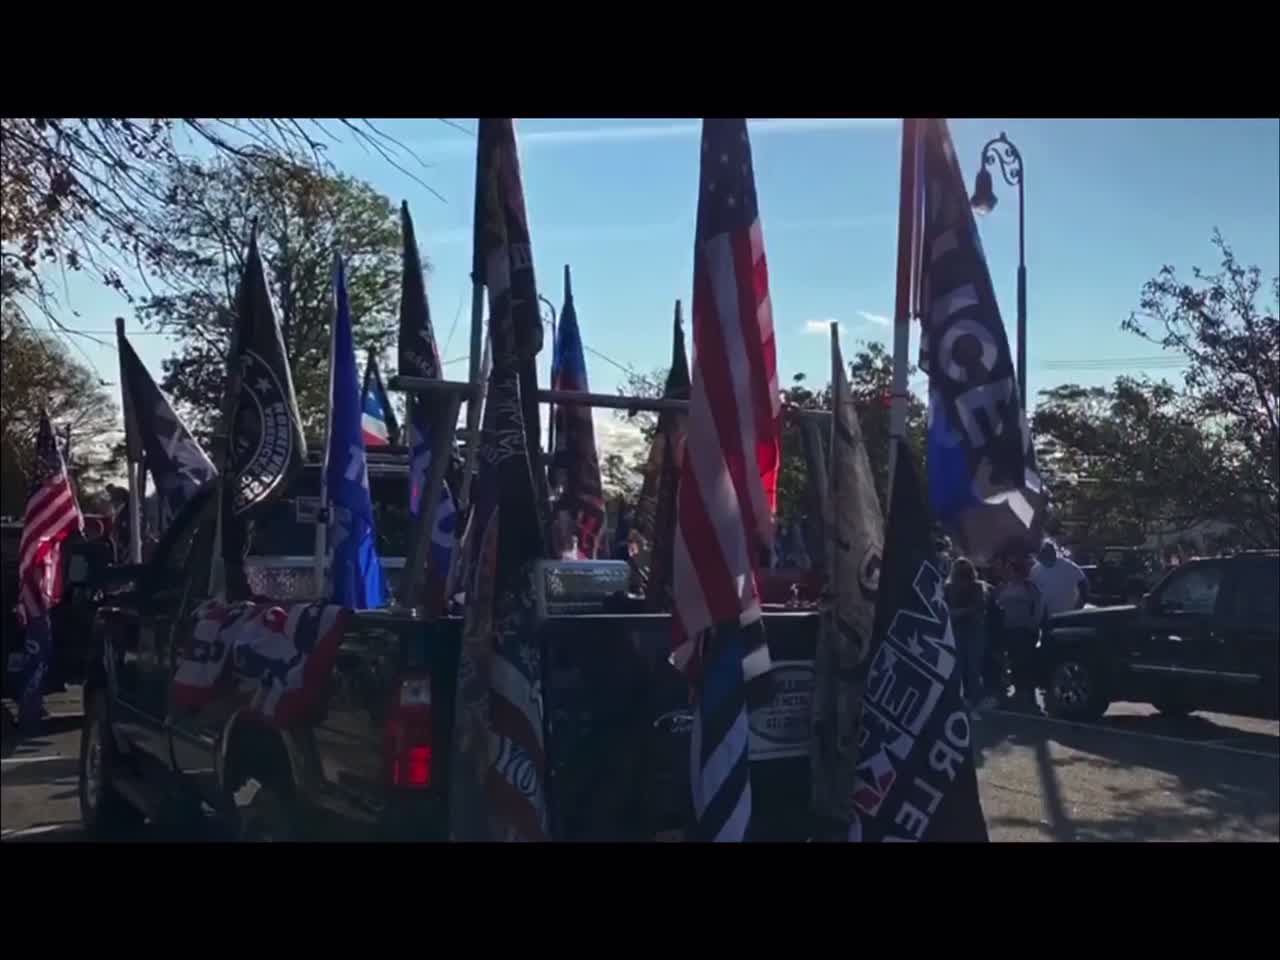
x=356 y=571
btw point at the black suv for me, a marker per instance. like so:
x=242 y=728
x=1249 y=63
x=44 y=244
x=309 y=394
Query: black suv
x=1205 y=638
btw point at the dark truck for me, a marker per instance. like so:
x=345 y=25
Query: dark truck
x=1205 y=638
x=85 y=559
x=373 y=762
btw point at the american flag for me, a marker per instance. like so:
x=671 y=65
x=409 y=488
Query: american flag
x=51 y=515
x=728 y=480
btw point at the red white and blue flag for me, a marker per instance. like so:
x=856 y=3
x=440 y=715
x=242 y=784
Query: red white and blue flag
x=51 y=515
x=272 y=660
x=577 y=518
x=377 y=416
x=728 y=479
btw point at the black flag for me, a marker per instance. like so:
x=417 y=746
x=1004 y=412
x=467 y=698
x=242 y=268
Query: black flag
x=915 y=778
x=157 y=437
x=265 y=445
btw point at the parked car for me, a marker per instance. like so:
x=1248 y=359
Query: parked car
x=1122 y=575
x=1205 y=638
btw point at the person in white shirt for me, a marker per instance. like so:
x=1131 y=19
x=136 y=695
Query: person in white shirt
x=1062 y=584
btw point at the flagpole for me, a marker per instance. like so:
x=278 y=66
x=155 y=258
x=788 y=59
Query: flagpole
x=906 y=288
x=322 y=514
x=132 y=467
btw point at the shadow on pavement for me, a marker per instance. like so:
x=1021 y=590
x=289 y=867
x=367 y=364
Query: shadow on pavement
x=1207 y=794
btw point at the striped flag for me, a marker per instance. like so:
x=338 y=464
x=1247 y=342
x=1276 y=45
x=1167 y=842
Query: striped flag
x=728 y=481
x=656 y=510
x=575 y=467
x=499 y=779
x=855 y=542
x=377 y=416
x=51 y=515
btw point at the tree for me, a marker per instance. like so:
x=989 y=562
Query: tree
x=1122 y=461
x=37 y=372
x=1232 y=382
x=95 y=194
x=304 y=216
x=621 y=480
x=871 y=381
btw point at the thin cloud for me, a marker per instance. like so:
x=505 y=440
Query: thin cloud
x=690 y=129
x=880 y=320
x=820 y=327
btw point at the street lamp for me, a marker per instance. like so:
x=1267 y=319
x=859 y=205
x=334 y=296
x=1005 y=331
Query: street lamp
x=1001 y=151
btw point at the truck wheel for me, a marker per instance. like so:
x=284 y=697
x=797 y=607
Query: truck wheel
x=1075 y=690
x=103 y=812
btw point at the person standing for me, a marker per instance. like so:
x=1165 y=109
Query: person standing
x=1022 y=611
x=1062 y=584
x=967 y=598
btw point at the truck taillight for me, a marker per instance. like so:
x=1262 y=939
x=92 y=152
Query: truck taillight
x=407 y=739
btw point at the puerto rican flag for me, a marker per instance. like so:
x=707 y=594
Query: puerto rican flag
x=378 y=418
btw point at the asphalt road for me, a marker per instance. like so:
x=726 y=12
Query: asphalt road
x=1134 y=776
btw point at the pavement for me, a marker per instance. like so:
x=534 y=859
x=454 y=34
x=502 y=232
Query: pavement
x=1135 y=775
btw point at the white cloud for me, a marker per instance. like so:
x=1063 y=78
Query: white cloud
x=615 y=435
x=820 y=327
x=880 y=320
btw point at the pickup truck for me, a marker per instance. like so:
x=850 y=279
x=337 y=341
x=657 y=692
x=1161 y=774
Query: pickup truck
x=1204 y=638
x=372 y=761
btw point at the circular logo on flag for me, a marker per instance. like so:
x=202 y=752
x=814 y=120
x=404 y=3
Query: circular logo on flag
x=263 y=438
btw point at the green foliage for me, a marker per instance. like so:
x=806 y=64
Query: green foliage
x=37 y=371
x=304 y=218
x=871 y=381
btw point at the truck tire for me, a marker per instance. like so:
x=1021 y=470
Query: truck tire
x=262 y=794
x=103 y=811
x=1075 y=689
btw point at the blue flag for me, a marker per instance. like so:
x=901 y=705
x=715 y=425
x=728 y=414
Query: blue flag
x=356 y=571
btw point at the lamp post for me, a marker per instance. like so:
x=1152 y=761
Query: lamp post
x=1001 y=151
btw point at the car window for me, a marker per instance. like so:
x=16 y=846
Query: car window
x=1193 y=590
x=1258 y=593
x=78 y=570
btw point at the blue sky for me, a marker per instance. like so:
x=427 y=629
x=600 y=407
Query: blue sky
x=1108 y=203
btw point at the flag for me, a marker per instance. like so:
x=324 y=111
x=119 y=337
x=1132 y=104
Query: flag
x=983 y=481
x=155 y=435
x=502 y=259
x=266 y=448
x=854 y=545
x=356 y=572
x=728 y=480
x=378 y=417
x=418 y=356
x=915 y=778
x=656 y=510
x=51 y=515
x=275 y=662
x=499 y=780
x=575 y=467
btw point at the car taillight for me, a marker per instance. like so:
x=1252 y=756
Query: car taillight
x=407 y=738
